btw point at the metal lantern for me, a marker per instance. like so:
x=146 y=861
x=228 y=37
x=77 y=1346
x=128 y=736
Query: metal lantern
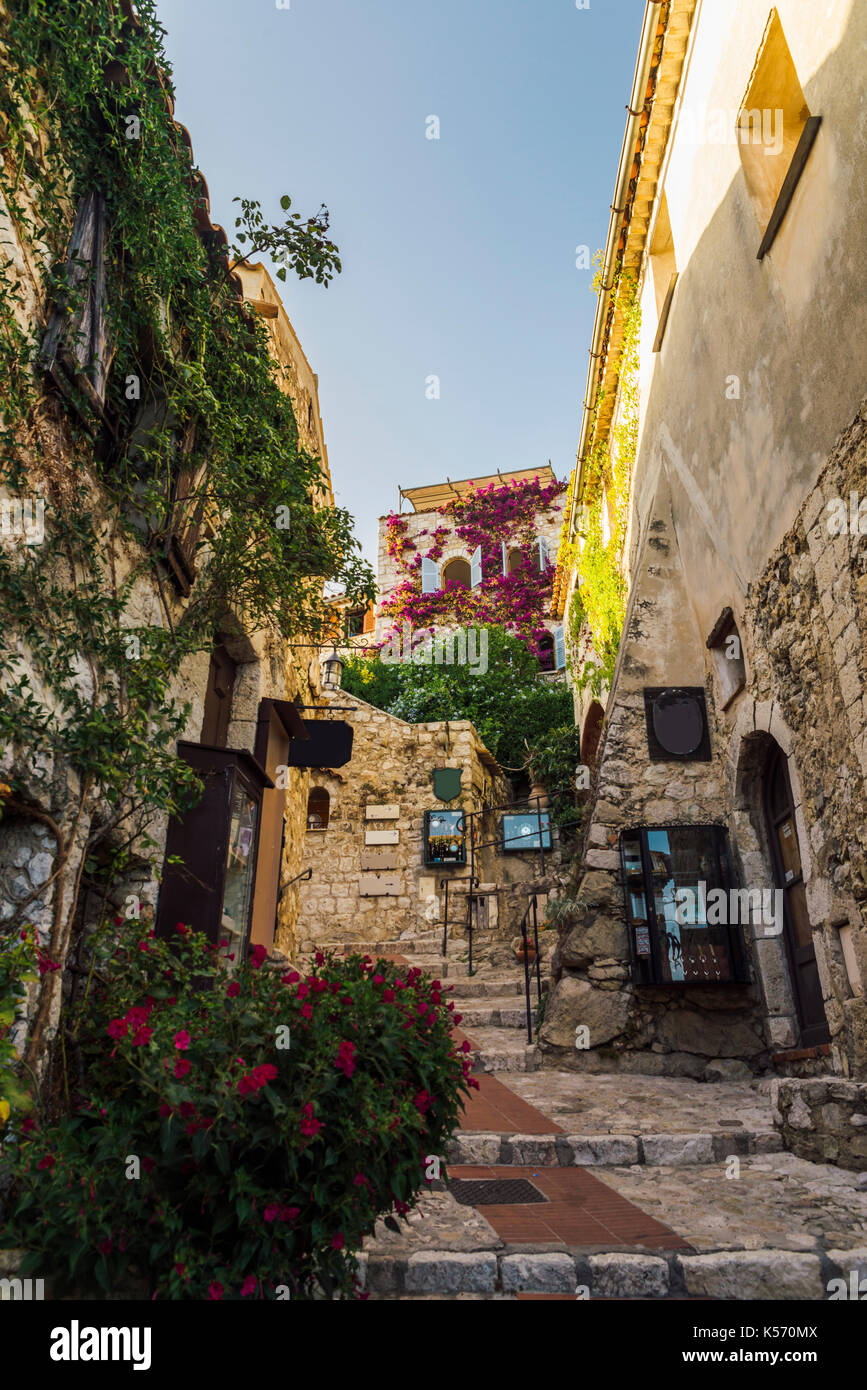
x=332 y=670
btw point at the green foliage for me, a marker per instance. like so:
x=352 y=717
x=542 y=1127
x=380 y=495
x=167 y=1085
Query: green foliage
x=259 y=1165
x=598 y=606
x=509 y=705
x=210 y=398
x=553 y=760
x=17 y=970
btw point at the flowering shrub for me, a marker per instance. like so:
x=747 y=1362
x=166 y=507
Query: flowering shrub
x=504 y=513
x=18 y=961
x=236 y=1138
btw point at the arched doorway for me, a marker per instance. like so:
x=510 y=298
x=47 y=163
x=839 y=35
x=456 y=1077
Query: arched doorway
x=592 y=733
x=782 y=832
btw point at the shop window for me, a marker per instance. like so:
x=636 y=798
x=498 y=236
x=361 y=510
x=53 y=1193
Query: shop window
x=683 y=913
x=724 y=644
x=529 y=830
x=211 y=849
x=444 y=837
x=775 y=132
x=664 y=270
x=677 y=729
x=318 y=808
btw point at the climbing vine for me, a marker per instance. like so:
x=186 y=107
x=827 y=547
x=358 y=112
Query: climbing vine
x=487 y=519
x=195 y=432
x=598 y=604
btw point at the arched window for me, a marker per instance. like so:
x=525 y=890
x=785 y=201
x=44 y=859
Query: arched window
x=457 y=572
x=513 y=560
x=546 y=652
x=318 y=808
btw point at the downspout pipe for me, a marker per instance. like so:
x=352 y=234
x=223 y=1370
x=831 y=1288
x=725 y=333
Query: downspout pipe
x=618 y=207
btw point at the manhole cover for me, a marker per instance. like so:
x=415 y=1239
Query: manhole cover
x=487 y=1192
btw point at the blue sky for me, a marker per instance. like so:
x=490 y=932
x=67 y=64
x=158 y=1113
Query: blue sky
x=458 y=253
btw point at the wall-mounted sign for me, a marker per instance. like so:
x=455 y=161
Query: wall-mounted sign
x=382 y=837
x=329 y=744
x=444 y=837
x=642 y=941
x=446 y=783
x=381 y=812
x=376 y=886
x=522 y=832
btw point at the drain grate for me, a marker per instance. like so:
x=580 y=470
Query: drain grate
x=487 y=1192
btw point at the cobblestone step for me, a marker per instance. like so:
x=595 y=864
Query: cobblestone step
x=725 y=1275
x=601 y=1150
x=483 y=987
x=509 y=1012
x=500 y=1049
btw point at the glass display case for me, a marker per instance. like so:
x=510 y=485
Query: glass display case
x=526 y=831
x=211 y=886
x=670 y=875
x=445 y=837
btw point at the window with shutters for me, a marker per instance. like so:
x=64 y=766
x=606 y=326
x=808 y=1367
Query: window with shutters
x=160 y=448
x=77 y=349
x=546 y=652
x=430 y=579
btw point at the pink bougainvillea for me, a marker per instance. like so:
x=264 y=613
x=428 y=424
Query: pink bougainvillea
x=485 y=518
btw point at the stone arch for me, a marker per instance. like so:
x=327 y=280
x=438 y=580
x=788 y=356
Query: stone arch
x=318 y=808
x=760 y=730
x=592 y=733
x=457 y=571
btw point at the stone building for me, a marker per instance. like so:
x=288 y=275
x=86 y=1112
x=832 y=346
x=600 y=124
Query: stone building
x=60 y=833
x=425 y=548
x=729 y=746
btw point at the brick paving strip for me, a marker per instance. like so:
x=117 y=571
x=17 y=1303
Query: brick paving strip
x=660 y=1216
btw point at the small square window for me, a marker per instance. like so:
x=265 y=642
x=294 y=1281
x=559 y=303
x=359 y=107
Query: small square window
x=724 y=644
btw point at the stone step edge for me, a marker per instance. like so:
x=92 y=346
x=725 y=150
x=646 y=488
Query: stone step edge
x=608 y=1150
x=723 y=1274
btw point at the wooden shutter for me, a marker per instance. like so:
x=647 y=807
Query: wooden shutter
x=429 y=577
x=185 y=516
x=505 y=558
x=76 y=347
x=543 y=554
x=218 y=699
x=559 y=649
x=476 y=568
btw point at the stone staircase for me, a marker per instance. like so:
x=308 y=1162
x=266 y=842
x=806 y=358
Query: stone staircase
x=490 y=1002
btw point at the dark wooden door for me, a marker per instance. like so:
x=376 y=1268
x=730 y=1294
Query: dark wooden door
x=218 y=699
x=788 y=875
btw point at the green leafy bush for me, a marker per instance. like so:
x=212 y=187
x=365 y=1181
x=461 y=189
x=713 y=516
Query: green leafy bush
x=237 y=1134
x=511 y=707
x=553 y=761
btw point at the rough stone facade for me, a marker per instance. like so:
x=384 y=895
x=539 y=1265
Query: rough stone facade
x=370 y=882
x=823 y=1121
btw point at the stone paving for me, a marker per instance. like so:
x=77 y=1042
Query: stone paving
x=778 y=1202
x=615 y=1104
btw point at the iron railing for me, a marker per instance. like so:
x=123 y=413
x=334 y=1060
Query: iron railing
x=531 y=914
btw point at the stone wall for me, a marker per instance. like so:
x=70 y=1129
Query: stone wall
x=369 y=880
x=824 y=1121
x=801 y=623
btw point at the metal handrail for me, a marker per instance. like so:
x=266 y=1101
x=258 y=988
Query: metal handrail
x=531 y=908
